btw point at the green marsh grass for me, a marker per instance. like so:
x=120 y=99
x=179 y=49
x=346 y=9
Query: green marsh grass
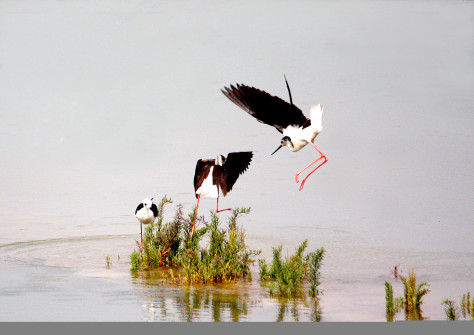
x=453 y=312
x=467 y=306
x=169 y=247
x=411 y=301
x=108 y=261
x=285 y=277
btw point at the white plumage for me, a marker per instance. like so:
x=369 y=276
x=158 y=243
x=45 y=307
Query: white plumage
x=207 y=189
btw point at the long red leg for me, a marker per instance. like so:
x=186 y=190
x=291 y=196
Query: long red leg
x=222 y=210
x=195 y=215
x=141 y=234
x=307 y=166
x=323 y=156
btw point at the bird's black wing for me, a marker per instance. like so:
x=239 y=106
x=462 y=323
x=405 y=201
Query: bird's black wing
x=138 y=208
x=154 y=209
x=235 y=164
x=265 y=108
x=202 y=169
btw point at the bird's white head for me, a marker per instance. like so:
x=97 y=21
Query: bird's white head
x=220 y=160
x=147 y=202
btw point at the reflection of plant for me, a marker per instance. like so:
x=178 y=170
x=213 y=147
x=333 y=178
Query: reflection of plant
x=170 y=246
x=291 y=308
x=452 y=310
x=411 y=301
x=199 y=304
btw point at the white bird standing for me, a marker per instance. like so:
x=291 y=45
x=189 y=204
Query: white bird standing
x=220 y=173
x=288 y=119
x=146 y=213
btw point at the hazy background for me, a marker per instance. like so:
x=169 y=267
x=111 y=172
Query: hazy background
x=105 y=103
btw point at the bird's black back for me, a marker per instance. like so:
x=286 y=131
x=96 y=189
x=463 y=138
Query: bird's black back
x=266 y=108
x=235 y=164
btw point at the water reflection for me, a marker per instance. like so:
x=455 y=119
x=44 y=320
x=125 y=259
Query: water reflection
x=290 y=309
x=241 y=301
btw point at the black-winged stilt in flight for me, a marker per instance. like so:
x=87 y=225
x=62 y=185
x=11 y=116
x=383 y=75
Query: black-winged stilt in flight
x=146 y=213
x=288 y=119
x=220 y=173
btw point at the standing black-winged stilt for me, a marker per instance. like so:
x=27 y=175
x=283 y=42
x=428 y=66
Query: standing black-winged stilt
x=222 y=172
x=288 y=119
x=146 y=213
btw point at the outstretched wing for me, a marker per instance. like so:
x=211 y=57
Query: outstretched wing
x=202 y=169
x=235 y=164
x=265 y=108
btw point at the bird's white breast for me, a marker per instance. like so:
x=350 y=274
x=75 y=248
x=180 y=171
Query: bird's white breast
x=207 y=189
x=300 y=136
x=145 y=215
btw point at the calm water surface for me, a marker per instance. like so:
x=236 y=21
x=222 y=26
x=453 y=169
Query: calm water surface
x=104 y=104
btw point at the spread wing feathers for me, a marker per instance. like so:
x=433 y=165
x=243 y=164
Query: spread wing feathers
x=266 y=108
x=235 y=164
x=138 y=208
x=202 y=170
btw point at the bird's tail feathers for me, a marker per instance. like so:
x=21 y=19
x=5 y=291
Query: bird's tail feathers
x=316 y=114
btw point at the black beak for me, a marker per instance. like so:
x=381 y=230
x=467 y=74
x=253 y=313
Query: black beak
x=151 y=199
x=277 y=149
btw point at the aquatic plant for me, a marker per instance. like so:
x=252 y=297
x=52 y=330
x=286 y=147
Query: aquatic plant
x=392 y=305
x=389 y=303
x=284 y=278
x=108 y=261
x=467 y=306
x=411 y=301
x=315 y=262
x=451 y=310
x=169 y=246
x=226 y=258
x=413 y=295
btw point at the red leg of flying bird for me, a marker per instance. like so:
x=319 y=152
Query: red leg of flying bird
x=217 y=208
x=323 y=156
x=195 y=215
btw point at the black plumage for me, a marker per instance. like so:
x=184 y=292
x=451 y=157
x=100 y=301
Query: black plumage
x=225 y=175
x=265 y=107
x=225 y=172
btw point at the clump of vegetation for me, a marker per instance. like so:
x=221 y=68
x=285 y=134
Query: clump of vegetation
x=392 y=305
x=168 y=246
x=467 y=306
x=315 y=262
x=452 y=310
x=412 y=298
x=108 y=261
x=285 y=278
x=413 y=295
